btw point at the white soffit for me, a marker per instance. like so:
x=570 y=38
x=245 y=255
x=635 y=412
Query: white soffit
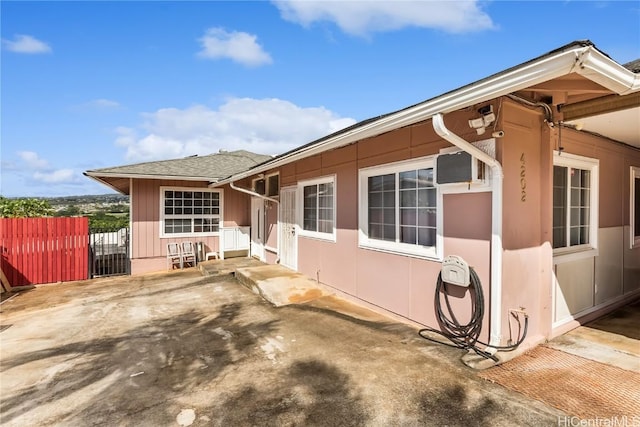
x=623 y=126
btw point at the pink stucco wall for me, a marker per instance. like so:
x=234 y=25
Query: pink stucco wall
x=405 y=285
x=400 y=284
x=148 y=248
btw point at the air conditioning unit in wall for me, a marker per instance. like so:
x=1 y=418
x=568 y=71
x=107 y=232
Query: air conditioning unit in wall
x=454 y=166
x=459 y=167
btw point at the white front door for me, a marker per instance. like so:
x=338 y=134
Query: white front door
x=288 y=239
x=257 y=228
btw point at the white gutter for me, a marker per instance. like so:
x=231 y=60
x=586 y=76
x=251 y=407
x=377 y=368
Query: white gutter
x=96 y=175
x=584 y=60
x=496 y=225
x=249 y=192
x=232 y=184
x=603 y=70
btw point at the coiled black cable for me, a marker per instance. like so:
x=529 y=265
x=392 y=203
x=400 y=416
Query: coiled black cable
x=465 y=336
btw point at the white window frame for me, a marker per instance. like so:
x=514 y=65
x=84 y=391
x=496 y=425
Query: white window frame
x=192 y=216
x=417 y=251
x=300 y=196
x=255 y=189
x=572 y=253
x=633 y=239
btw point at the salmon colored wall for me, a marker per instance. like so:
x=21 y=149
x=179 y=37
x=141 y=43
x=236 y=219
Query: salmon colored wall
x=403 y=285
x=148 y=248
x=237 y=208
x=467 y=233
x=526 y=158
x=406 y=285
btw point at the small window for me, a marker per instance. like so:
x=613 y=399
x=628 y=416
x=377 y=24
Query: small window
x=189 y=212
x=399 y=208
x=259 y=186
x=634 y=219
x=318 y=208
x=575 y=216
x=273 y=185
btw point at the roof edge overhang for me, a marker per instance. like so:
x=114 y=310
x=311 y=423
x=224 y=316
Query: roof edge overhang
x=99 y=175
x=103 y=178
x=584 y=59
x=107 y=183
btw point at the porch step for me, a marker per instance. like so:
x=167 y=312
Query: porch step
x=279 y=285
x=226 y=267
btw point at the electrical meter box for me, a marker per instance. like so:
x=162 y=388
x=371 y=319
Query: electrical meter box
x=455 y=271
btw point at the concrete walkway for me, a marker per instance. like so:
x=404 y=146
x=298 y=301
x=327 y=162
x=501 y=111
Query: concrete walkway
x=186 y=350
x=194 y=347
x=599 y=361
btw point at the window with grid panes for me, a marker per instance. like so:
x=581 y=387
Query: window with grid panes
x=318 y=208
x=190 y=211
x=573 y=208
x=400 y=202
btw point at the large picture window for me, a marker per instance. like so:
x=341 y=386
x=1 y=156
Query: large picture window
x=318 y=208
x=634 y=218
x=398 y=208
x=190 y=211
x=575 y=212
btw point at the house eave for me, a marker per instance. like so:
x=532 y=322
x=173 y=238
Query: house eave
x=585 y=60
x=147 y=176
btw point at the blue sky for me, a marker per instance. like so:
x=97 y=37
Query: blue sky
x=86 y=85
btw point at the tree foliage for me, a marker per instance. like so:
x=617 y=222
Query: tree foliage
x=104 y=223
x=24 y=208
x=71 y=210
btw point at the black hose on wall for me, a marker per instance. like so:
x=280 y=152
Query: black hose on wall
x=465 y=336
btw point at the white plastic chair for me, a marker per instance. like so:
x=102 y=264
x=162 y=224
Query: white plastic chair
x=188 y=254
x=174 y=257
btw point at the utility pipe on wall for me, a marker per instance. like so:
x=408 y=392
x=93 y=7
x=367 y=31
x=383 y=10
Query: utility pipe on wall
x=232 y=184
x=264 y=219
x=496 y=224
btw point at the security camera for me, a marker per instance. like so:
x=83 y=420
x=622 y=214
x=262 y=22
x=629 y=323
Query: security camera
x=498 y=134
x=487 y=109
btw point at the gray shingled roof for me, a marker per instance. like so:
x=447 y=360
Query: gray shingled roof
x=634 y=66
x=212 y=167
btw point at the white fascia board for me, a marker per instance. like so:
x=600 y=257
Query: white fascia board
x=137 y=176
x=601 y=69
x=579 y=60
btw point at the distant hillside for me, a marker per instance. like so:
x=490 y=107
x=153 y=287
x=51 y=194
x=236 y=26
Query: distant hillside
x=98 y=199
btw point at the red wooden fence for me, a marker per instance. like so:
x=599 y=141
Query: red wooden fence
x=44 y=250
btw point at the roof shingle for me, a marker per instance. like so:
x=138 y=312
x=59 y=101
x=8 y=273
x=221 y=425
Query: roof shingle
x=212 y=167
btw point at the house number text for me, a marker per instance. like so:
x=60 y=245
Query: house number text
x=523 y=179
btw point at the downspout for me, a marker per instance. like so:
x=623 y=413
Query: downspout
x=254 y=194
x=496 y=225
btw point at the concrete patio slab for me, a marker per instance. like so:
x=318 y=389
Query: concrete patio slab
x=186 y=350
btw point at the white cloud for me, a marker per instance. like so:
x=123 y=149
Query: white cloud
x=103 y=103
x=26 y=44
x=59 y=176
x=40 y=170
x=237 y=46
x=365 y=17
x=267 y=126
x=33 y=160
